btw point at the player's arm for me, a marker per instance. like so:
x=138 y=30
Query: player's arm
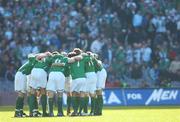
x=75 y=58
x=84 y=54
x=58 y=64
x=97 y=62
x=43 y=55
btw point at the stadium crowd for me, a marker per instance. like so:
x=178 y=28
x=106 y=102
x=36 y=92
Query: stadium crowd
x=137 y=40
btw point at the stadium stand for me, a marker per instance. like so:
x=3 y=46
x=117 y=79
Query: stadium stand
x=138 y=40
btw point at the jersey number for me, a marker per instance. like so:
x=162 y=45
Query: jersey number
x=78 y=64
x=57 y=61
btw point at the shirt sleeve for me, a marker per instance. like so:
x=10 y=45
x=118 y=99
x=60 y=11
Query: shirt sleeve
x=48 y=60
x=65 y=59
x=87 y=58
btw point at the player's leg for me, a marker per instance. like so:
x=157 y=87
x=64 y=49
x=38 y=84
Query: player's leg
x=82 y=89
x=86 y=101
x=32 y=102
x=20 y=88
x=86 y=96
x=100 y=86
x=60 y=83
x=75 y=97
x=43 y=101
x=92 y=80
x=51 y=89
x=81 y=102
x=19 y=105
x=69 y=96
x=99 y=102
x=75 y=103
x=42 y=82
x=60 y=103
x=32 y=99
x=28 y=89
x=93 y=98
x=36 y=103
x=93 y=92
x=50 y=102
x=68 y=93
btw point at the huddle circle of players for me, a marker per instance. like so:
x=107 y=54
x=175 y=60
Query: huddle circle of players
x=45 y=75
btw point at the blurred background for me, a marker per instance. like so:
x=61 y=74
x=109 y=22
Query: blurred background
x=137 y=40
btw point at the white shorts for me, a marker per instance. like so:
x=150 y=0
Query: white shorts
x=56 y=81
x=28 y=82
x=38 y=78
x=102 y=75
x=91 y=80
x=79 y=85
x=20 y=82
x=68 y=83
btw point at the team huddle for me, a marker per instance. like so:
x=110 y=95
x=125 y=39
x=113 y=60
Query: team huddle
x=48 y=75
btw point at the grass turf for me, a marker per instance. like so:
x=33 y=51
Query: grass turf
x=110 y=114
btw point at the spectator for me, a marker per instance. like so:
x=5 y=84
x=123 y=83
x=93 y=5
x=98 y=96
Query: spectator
x=10 y=73
x=175 y=66
x=96 y=45
x=82 y=42
x=146 y=53
x=129 y=54
x=137 y=20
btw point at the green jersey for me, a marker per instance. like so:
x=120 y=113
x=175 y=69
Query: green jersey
x=89 y=66
x=67 y=71
x=58 y=59
x=43 y=63
x=78 y=68
x=27 y=67
x=98 y=65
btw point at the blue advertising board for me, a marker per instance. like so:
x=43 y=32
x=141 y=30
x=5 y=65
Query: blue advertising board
x=141 y=97
x=113 y=97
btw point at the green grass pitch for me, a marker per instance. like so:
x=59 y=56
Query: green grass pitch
x=113 y=114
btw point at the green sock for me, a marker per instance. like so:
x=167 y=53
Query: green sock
x=44 y=103
x=59 y=104
x=75 y=103
x=18 y=102
x=96 y=110
x=32 y=99
x=50 y=100
x=21 y=103
x=81 y=105
x=86 y=101
x=92 y=104
x=36 y=103
x=78 y=102
x=68 y=101
x=17 y=108
x=28 y=101
x=100 y=99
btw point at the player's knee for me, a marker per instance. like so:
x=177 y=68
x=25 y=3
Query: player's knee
x=86 y=94
x=32 y=91
x=21 y=94
x=92 y=94
x=69 y=94
x=59 y=93
x=99 y=92
x=74 y=93
x=50 y=94
x=28 y=93
x=82 y=94
x=43 y=91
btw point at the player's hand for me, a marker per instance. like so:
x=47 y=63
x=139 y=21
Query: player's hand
x=78 y=58
x=58 y=64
